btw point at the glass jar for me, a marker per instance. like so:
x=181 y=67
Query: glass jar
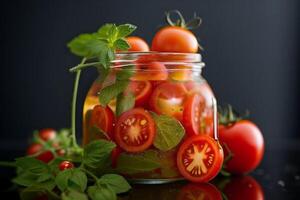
x=144 y=96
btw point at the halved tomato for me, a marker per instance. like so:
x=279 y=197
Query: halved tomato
x=200 y=158
x=155 y=71
x=135 y=130
x=202 y=88
x=197 y=191
x=141 y=91
x=102 y=118
x=168 y=98
x=196 y=118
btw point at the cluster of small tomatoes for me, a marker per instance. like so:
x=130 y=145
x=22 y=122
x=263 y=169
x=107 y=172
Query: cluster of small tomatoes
x=200 y=157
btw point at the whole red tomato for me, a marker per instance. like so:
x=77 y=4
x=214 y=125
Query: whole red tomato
x=65 y=165
x=137 y=44
x=47 y=134
x=245 y=142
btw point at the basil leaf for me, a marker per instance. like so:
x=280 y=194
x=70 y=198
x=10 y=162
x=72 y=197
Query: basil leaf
x=101 y=193
x=25 y=179
x=169 y=132
x=125 y=30
x=125 y=73
x=116 y=182
x=103 y=31
x=110 y=92
x=137 y=163
x=124 y=102
x=121 y=44
x=44 y=177
x=32 y=165
x=103 y=73
x=73 y=194
x=71 y=178
x=62 y=179
x=97 y=153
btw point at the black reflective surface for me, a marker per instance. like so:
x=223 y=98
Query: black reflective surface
x=278 y=177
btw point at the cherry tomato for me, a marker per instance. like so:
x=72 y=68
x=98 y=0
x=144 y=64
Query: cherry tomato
x=244 y=187
x=45 y=156
x=200 y=158
x=174 y=39
x=181 y=73
x=60 y=152
x=202 y=88
x=205 y=191
x=103 y=118
x=154 y=71
x=47 y=134
x=194 y=116
x=137 y=44
x=65 y=165
x=246 y=143
x=141 y=90
x=115 y=155
x=167 y=98
x=135 y=130
x=34 y=148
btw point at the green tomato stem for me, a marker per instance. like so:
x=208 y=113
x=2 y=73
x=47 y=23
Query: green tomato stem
x=82 y=66
x=74 y=100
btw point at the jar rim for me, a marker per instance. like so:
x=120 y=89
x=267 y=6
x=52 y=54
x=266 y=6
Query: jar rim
x=190 y=58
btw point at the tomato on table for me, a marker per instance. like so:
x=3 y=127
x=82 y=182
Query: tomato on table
x=197 y=191
x=166 y=38
x=135 y=130
x=102 y=118
x=137 y=44
x=34 y=148
x=45 y=156
x=196 y=118
x=168 y=98
x=141 y=90
x=200 y=158
x=246 y=143
x=153 y=71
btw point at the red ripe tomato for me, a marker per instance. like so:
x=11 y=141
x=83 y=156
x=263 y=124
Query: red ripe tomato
x=45 y=156
x=168 y=98
x=115 y=155
x=60 y=152
x=246 y=143
x=200 y=158
x=34 y=148
x=202 y=88
x=137 y=44
x=141 y=90
x=174 y=39
x=244 y=187
x=47 y=134
x=205 y=191
x=65 y=165
x=155 y=71
x=193 y=119
x=135 y=130
x=103 y=118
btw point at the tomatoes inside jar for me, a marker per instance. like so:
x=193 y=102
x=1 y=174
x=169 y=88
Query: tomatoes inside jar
x=151 y=105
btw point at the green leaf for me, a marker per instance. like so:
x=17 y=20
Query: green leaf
x=125 y=73
x=32 y=192
x=101 y=193
x=103 y=31
x=113 y=32
x=121 y=44
x=125 y=30
x=71 y=178
x=137 y=163
x=116 y=182
x=103 y=73
x=32 y=165
x=112 y=91
x=124 y=102
x=25 y=179
x=86 y=45
x=44 y=177
x=73 y=195
x=97 y=153
x=169 y=132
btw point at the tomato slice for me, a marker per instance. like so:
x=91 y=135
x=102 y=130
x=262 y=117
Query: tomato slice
x=205 y=191
x=196 y=118
x=167 y=98
x=141 y=91
x=200 y=158
x=154 y=71
x=102 y=118
x=135 y=130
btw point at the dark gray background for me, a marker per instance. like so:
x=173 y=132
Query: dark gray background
x=251 y=53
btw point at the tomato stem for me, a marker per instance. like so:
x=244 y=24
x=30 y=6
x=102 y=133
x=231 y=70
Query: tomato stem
x=74 y=100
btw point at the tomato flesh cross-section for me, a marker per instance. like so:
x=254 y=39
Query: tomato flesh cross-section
x=141 y=90
x=200 y=158
x=135 y=130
